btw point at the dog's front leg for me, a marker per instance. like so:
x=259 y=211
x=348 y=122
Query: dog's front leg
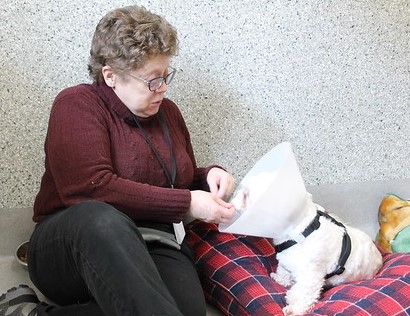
x=304 y=293
x=282 y=276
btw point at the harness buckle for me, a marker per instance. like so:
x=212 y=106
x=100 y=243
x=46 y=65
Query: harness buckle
x=340 y=270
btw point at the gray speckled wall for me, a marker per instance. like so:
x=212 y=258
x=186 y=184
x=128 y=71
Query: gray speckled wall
x=332 y=77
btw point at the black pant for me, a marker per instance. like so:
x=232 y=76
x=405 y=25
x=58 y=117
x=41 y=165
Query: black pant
x=91 y=259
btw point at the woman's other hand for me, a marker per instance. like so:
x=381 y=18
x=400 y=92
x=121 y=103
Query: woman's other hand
x=221 y=183
x=210 y=208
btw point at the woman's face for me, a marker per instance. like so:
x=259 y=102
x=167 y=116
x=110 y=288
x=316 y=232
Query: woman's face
x=134 y=92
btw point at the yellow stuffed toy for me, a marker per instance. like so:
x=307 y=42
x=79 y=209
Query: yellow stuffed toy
x=394 y=220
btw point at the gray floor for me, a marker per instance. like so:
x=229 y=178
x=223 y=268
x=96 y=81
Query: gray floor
x=355 y=203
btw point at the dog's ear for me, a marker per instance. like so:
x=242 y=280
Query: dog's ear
x=394 y=215
x=392 y=203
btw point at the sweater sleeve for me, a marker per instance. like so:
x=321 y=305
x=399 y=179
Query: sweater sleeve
x=79 y=166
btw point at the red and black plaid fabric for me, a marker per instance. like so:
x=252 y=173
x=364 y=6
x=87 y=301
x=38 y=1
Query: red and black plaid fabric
x=234 y=271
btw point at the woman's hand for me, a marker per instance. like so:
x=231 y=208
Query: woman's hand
x=221 y=183
x=209 y=208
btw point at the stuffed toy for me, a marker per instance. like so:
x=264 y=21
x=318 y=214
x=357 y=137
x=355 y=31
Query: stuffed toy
x=394 y=220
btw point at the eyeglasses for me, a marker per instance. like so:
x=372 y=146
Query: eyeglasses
x=156 y=83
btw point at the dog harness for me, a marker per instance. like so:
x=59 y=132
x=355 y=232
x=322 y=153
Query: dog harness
x=314 y=225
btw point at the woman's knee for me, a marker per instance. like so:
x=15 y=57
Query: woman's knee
x=100 y=220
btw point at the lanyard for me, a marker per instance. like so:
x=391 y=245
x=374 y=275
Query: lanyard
x=170 y=175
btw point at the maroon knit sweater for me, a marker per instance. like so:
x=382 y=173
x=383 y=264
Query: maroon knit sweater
x=95 y=151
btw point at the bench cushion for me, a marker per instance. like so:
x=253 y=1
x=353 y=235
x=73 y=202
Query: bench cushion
x=234 y=271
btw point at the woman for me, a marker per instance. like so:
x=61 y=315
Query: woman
x=120 y=174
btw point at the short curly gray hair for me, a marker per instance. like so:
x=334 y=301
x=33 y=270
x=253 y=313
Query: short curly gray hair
x=127 y=37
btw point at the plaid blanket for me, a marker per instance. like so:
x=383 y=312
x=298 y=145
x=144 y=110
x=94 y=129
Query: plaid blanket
x=234 y=271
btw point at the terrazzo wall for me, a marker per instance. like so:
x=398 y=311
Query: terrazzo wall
x=331 y=77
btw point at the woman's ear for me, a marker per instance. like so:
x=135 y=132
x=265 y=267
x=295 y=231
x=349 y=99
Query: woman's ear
x=110 y=77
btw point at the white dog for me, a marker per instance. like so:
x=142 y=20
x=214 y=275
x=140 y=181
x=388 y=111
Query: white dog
x=314 y=250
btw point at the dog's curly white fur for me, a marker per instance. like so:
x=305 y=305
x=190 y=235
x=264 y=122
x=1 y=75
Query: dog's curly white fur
x=303 y=267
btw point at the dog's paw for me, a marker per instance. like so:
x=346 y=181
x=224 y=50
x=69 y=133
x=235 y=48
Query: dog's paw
x=291 y=311
x=288 y=311
x=282 y=279
x=240 y=200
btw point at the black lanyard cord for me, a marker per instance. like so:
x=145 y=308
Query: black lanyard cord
x=171 y=177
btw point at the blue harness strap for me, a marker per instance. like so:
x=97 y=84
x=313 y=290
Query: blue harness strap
x=314 y=225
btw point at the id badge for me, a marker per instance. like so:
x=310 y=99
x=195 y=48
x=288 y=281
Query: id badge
x=179 y=231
